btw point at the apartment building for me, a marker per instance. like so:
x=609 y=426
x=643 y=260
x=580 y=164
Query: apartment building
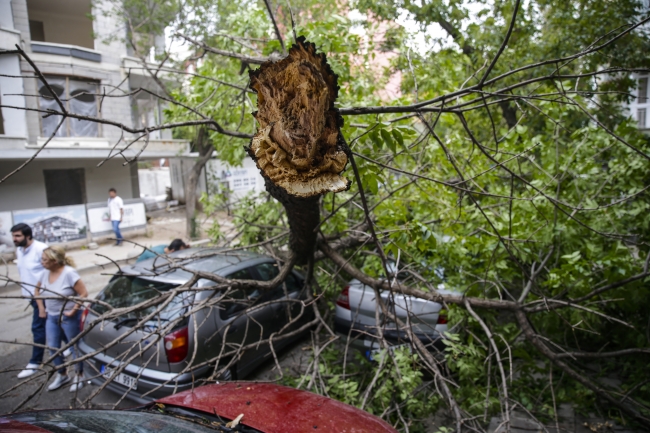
x=82 y=52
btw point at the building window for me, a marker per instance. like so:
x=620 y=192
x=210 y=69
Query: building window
x=36 y=31
x=78 y=97
x=642 y=96
x=640 y=117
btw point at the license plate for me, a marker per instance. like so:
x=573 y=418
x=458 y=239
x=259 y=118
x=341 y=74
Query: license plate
x=122 y=379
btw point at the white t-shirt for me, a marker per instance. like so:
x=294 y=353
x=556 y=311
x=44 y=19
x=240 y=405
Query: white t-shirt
x=62 y=286
x=29 y=266
x=115 y=205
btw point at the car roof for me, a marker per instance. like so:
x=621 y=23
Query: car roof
x=278 y=409
x=220 y=261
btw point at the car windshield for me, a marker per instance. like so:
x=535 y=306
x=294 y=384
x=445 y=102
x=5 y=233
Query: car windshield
x=126 y=291
x=105 y=421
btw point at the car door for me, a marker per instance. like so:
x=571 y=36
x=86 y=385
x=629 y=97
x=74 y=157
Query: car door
x=243 y=322
x=283 y=301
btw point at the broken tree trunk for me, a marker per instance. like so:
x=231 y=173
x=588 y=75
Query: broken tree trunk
x=298 y=146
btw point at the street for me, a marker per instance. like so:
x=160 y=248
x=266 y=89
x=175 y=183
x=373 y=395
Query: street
x=16 y=327
x=16 y=315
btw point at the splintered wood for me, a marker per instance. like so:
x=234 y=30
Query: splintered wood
x=297 y=145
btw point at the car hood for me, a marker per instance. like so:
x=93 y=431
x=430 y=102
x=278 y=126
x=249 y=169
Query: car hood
x=13 y=426
x=278 y=409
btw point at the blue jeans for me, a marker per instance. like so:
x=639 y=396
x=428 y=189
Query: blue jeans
x=56 y=330
x=116 y=229
x=38 y=330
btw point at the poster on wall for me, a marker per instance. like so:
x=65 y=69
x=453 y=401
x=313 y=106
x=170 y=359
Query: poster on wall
x=6 y=242
x=55 y=224
x=100 y=221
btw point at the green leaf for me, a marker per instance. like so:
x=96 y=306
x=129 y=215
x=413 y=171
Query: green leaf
x=374 y=136
x=398 y=137
x=388 y=139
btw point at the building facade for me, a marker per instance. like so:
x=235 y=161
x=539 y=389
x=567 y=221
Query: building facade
x=89 y=66
x=639 y=107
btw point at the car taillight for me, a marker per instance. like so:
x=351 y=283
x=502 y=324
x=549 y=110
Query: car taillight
x=344 y=298
x=442 y=317
x=82 y=320
x=176 y=345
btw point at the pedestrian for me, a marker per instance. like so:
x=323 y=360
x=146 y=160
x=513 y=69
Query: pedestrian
x=175 y=245
x=116 y=212
x=28 y=254
x=58 y=283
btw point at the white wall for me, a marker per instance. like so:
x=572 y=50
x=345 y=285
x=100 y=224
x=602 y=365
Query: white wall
x=15 y=123
x=154 y=182
x=26 y=189
x=110 y=34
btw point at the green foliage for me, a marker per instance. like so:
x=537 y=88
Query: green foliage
x=397 y=375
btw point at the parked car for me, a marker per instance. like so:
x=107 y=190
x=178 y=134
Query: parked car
x=266 y=408
x=157 y=369
x=356 y=318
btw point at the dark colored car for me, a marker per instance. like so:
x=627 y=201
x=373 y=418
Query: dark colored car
x=156 y=360
x=260 y=408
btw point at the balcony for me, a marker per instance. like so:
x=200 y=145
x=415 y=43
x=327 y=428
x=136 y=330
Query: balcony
x=9 y=38
x=67 y=50
x=64 y=22
x=99 y=148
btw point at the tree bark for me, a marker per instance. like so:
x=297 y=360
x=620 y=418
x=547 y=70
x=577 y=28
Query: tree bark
x=298 y=146
x=205 y=149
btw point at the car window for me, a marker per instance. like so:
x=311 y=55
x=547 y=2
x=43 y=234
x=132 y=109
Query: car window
x=126 y=291
x=238 y=299
x=293 y=283
x=266 y=271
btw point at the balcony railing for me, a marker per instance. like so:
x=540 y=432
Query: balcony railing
x=67 y=50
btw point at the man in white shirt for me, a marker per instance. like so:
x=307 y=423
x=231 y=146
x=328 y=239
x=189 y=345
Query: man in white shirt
x=28 y=254
x=116 y=212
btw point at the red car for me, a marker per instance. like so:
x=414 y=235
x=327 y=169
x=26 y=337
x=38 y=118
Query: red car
x=245 y=407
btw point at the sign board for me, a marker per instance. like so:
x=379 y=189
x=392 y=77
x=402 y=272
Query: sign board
x=6 y=241
x=54 y=225
x=100 y=221
x=241 y=178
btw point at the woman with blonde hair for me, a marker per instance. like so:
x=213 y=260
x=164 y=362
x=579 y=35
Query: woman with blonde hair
x=58 y=283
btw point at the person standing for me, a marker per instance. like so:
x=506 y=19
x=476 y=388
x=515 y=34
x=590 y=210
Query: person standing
x=116 y=212
x=28 y=254
x=59 y=282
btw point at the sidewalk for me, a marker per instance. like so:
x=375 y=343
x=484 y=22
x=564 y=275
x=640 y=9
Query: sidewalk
x=161 y=230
